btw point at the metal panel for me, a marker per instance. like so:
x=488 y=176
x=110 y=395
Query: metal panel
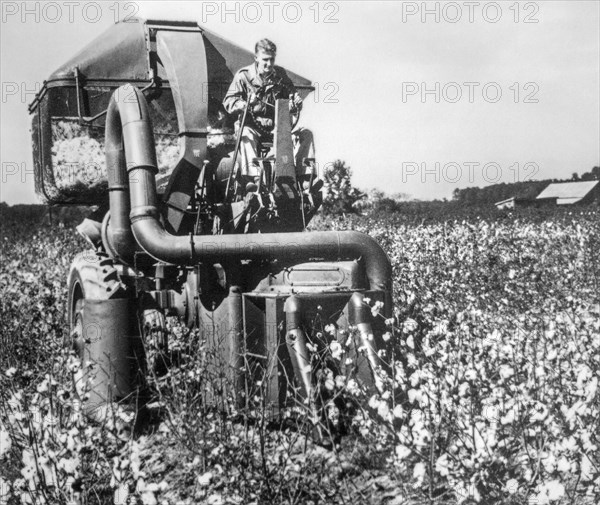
x=277 y=356
x=176 y=51
x=284 y=151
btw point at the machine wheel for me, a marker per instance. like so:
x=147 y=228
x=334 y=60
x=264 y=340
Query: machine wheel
x=104 y=332
x=93 y=276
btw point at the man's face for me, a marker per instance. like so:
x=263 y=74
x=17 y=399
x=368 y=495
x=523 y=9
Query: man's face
x=264 y=62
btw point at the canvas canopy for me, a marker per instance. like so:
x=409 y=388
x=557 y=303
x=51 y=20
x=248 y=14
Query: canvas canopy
x=127 y=53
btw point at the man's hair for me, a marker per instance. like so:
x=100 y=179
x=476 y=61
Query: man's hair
x=266 y=46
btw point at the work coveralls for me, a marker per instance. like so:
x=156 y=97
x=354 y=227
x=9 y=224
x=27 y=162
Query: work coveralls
x=260 y=119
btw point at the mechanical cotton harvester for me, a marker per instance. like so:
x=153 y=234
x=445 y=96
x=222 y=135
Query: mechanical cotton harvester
x=133 y=124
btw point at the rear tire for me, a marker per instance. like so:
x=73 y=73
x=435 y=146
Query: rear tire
x=104 y=333
x=93 y=276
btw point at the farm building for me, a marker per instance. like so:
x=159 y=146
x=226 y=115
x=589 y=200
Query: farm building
x=568 y=193
x=516 y=202
x=557 y=193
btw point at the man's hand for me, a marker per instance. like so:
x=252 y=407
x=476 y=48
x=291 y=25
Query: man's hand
x=295 y=102
x=255 y=103
x=240 y=105
x=253 y=99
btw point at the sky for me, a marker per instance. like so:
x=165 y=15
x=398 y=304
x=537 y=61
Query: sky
x=418 y=98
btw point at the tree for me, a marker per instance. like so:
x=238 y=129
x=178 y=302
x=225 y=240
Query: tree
x=339 y=196
x=592 y=175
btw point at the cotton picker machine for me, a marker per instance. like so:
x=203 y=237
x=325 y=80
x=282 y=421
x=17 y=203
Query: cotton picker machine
x=133 y=125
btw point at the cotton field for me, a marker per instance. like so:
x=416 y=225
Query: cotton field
x=491 y=394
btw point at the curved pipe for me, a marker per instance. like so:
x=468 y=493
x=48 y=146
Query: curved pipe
x=128 y=136
x=128 y=114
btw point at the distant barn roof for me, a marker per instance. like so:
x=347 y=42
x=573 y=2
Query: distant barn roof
x=568 y=192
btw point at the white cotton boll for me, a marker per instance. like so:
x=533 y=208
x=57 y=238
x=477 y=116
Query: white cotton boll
x=415 y=378
x=584 y=374
x=410 y=325
x=148 y=498
x=205 y=479
x=549 y=463
x=414 y=395
x=398 y=411
x=541 y=498
x=352 y=387
x=69 y=465
x=470 y=374
x=563 y=465
x=374 y=402
x=383 y=410
x=419 y=472
x=402 y=452
x=509 y=418
x=5 y=443
x=442 y=465
x=512 y=486
x=591 y=388
x=43 y=386
x=336 y=350
x=121 y=494
x=28 y=458
x=555 y=490
x=411 y=360
x=152 y=487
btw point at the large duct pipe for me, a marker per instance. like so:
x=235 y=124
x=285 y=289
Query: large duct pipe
x=129 y=115
x=124 y=121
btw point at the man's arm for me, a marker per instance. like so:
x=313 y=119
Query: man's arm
x=237 y=94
